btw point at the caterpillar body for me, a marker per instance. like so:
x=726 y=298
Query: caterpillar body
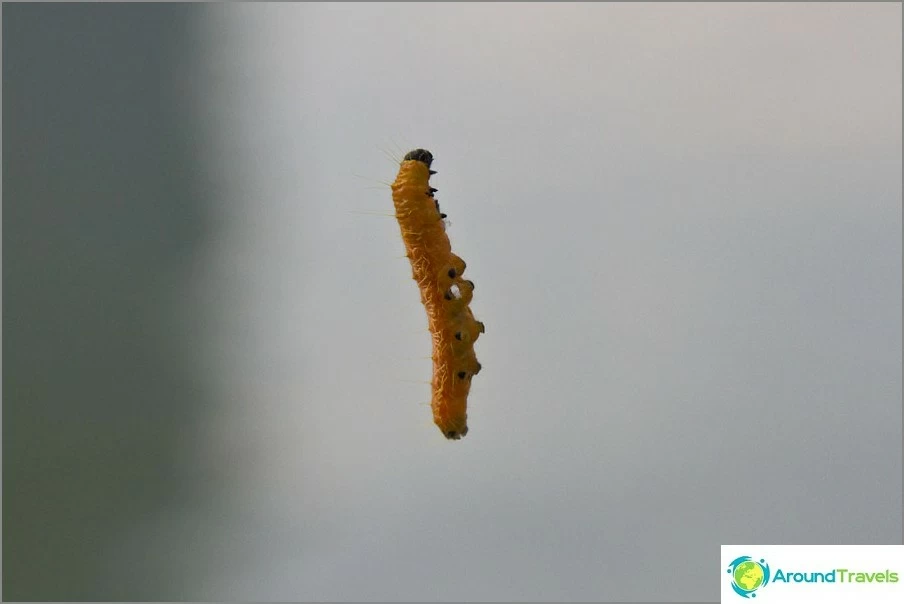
x=445 y=294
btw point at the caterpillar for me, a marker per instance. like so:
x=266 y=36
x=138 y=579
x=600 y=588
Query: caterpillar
x=445 y=294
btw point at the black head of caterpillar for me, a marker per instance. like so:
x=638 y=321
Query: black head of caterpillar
x=421 y=155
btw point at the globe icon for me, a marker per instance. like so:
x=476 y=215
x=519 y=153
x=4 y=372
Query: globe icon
x=748 y=575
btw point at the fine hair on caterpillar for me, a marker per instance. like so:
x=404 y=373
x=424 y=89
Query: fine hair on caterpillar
x=445 y=294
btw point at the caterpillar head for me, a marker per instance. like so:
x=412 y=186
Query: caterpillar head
x=421 y=155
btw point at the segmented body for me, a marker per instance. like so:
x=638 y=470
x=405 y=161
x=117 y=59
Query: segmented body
x=446 y=295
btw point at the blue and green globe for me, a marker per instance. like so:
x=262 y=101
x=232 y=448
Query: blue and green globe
x=748 y=575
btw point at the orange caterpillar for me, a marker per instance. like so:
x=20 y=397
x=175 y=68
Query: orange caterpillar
x=444 y=293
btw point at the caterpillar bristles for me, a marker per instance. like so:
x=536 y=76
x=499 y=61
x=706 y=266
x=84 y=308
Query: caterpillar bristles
x=373 y=213
x=394 y=159
x=387 y=185
x=399 y=150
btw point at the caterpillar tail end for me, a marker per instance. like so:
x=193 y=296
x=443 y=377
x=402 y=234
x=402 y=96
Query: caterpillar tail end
x=456 y=434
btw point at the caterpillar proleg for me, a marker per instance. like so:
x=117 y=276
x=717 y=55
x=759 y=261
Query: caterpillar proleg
x=446 y=295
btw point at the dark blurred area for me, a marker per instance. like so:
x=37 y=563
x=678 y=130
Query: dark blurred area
x=101 y=217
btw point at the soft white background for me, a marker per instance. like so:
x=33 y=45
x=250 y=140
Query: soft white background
x=684 y=226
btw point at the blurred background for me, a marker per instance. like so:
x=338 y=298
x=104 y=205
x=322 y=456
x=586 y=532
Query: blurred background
x=683 y=222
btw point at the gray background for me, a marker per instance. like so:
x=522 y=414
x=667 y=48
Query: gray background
x=684 y=227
